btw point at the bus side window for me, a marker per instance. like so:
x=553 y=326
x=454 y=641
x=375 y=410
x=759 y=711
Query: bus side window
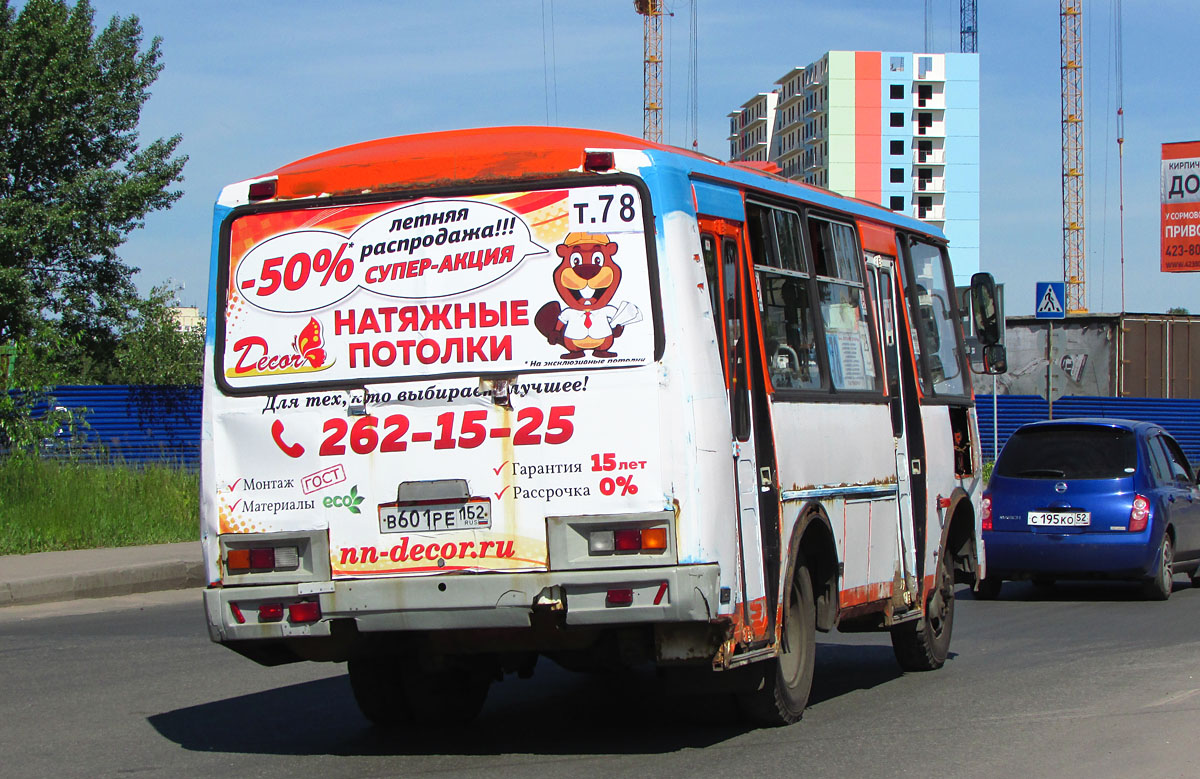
x=789 y=321
x=843 y=299
x=932 y=313
x=712 y=270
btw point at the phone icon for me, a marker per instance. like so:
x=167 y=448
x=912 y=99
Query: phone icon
x=291 y=450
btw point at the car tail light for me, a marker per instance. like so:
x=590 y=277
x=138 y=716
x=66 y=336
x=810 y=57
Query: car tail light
x=985 y=512
x=1139 y=514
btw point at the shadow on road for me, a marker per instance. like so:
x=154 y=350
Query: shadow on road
x=555 y=713
x=1084 y=591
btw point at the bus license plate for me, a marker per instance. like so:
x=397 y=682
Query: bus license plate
x=434 y=517
x=1060 y=518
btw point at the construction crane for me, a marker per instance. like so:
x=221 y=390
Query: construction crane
x=968 y=27
x=1074 y=261
x=652 y=13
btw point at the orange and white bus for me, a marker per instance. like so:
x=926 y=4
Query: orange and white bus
x=477 y=397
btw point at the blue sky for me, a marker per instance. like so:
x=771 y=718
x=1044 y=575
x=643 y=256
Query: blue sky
x=252 y=86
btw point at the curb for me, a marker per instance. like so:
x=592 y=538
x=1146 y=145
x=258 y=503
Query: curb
x=47 y=577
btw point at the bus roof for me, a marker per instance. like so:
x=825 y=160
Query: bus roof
x=493 y=154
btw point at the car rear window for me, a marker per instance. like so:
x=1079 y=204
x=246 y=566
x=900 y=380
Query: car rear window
x=1067 y=452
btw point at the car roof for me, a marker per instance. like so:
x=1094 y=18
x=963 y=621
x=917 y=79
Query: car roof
x=1133 y=425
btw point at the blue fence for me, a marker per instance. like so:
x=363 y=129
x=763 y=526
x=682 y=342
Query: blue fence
x=130 y=424
x=139 y=424
x=1180 y=417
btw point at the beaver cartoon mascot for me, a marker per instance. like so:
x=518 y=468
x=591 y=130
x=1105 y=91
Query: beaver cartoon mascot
x=586 y=278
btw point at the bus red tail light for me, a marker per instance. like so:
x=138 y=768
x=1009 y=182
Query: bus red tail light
x=985 y=512
x=262 y=558
x=262 y=190
x=598 y=161
x=620 y=597
x=628 y=539
x=1139 y=514
x=304 y=611
x=270 y=612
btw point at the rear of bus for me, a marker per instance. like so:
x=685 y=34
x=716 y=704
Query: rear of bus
x=433 y=424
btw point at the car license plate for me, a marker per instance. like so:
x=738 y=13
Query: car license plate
x=430 y=517
x=1060 y=518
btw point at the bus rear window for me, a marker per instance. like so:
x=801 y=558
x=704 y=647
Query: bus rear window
x=1068 y=452
x=482 y=284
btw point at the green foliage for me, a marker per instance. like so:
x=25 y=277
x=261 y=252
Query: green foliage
x=154 y=349
x=1178 y=310
x=48 y=505
x=74 y=179
x=35 y=371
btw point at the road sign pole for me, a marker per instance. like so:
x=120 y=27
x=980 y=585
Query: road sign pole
x=1049 y=368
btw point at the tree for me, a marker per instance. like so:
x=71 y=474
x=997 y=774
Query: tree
x=74 y=181
x=155 y=349
x=1178 y=310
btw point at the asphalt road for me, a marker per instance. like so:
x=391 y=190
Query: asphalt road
x=1081 y=680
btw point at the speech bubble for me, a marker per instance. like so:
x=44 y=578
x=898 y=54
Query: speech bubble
x=428 y=249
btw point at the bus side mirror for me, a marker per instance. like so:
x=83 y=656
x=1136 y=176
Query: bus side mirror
x=995 y=359
x=984 y=309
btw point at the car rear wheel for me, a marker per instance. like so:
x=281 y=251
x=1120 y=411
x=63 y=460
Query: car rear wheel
x=1159 y=588
x=924 y=645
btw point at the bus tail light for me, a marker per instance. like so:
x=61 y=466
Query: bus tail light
x=270 y=612
x=304 y=611
x=263 y=190
x=628 y=539
x=619 y=597
x=985 y=512
x=600 y=542
x=1139 y=514
x=654 y=538
x=262 y=559
x=598 y=161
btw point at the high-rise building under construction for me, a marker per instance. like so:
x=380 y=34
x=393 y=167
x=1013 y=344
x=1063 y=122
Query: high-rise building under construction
x=896 y=128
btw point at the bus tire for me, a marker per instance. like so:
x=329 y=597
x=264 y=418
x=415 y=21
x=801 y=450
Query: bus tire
x=393 y=691
x=782 y=695
x=923 y=645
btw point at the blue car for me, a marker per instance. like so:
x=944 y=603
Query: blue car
x=1091 y=499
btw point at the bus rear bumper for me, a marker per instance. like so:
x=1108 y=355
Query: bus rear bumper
x=597 y=598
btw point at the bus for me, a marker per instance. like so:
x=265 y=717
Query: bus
x=478 y=397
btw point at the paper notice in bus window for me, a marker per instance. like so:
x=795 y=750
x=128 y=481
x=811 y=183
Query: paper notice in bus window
x=846 y=361
x=496 y=283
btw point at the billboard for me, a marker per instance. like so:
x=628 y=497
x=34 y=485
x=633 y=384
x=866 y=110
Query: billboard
x=1180 y=191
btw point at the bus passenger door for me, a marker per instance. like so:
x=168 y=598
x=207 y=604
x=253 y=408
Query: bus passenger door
x=881 y=272
x=721 y=241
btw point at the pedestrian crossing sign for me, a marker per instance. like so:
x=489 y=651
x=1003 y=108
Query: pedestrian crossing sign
x=1050 y=300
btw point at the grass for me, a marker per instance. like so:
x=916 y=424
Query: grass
x=48 y=505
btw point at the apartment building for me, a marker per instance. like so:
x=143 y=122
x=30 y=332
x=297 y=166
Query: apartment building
x=896 y=128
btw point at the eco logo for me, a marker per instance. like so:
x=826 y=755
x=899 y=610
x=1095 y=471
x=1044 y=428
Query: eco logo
x=349 y=502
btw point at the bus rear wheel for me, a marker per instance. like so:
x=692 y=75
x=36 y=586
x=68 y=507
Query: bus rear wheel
x=782 y=695
x=393 y=691
x=923 y=645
